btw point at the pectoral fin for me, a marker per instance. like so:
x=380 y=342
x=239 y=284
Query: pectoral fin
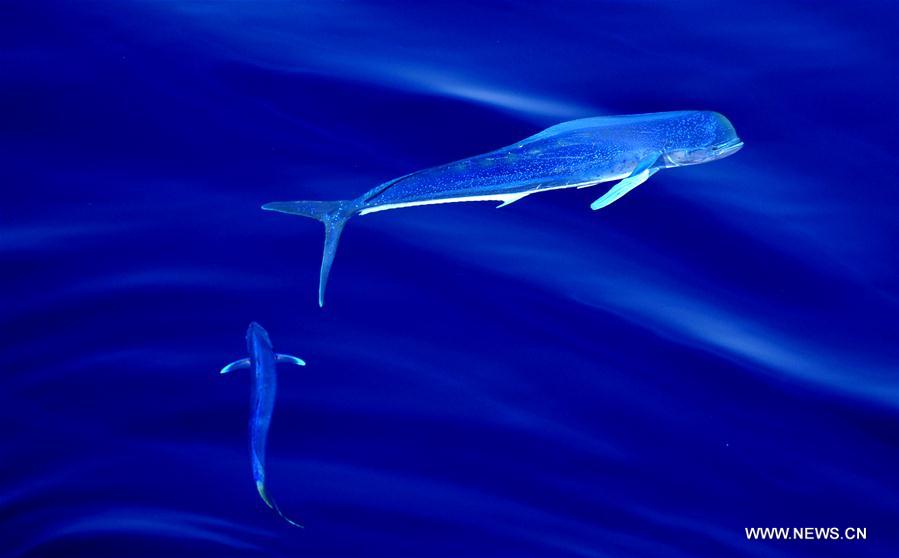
x=640 y=175
x=236 y=365
x=289 y=359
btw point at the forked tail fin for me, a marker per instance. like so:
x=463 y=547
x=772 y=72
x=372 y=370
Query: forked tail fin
x=333 y=215
x=270 y=502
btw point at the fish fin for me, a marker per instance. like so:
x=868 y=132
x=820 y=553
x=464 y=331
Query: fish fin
x=618 y=190
x=236 y=365
x=270 y=502
x=260 y=488
x=333 y=215
x=381 y=188
x=288 y=359
x=641 y=174
x=645 y=163
x=512 y=198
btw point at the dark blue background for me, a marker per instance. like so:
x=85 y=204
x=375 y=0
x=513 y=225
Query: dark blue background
x=718 y=350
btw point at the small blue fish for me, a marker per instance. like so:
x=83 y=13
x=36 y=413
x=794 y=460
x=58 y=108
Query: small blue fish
x=263 y=360
x=575 y=154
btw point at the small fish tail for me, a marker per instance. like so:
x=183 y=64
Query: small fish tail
x=333 y=215
x=270 y=502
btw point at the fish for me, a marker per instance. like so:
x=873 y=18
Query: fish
x=575 y=154
x=263 y=360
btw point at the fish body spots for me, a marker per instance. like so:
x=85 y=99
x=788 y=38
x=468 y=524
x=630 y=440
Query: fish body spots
x=590 y=150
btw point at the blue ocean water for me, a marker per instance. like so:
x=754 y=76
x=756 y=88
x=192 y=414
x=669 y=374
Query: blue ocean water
x=716 y=351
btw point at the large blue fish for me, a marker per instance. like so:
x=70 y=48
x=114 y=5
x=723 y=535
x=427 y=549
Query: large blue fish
x=263 y=360
x=574 y=154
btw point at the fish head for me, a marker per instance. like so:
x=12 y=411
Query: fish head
x=257 y=337
x=700 y=137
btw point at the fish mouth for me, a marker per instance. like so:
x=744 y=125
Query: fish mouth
x=728 y=148
x=257 y=331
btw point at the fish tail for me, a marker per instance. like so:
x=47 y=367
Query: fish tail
x=333 y=215
x=270 y=502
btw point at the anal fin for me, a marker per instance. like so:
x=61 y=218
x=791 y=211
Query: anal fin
x=509 y=199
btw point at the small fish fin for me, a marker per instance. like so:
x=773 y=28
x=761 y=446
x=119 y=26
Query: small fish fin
x=270 y=502
x=512 y=198
x=287 y=519
x=289 y=359
x=260 y=488
x=333 y=215
x=236 y=365
x=617 y=191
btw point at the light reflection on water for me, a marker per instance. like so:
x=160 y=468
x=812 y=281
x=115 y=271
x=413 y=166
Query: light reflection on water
x=716 y=351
